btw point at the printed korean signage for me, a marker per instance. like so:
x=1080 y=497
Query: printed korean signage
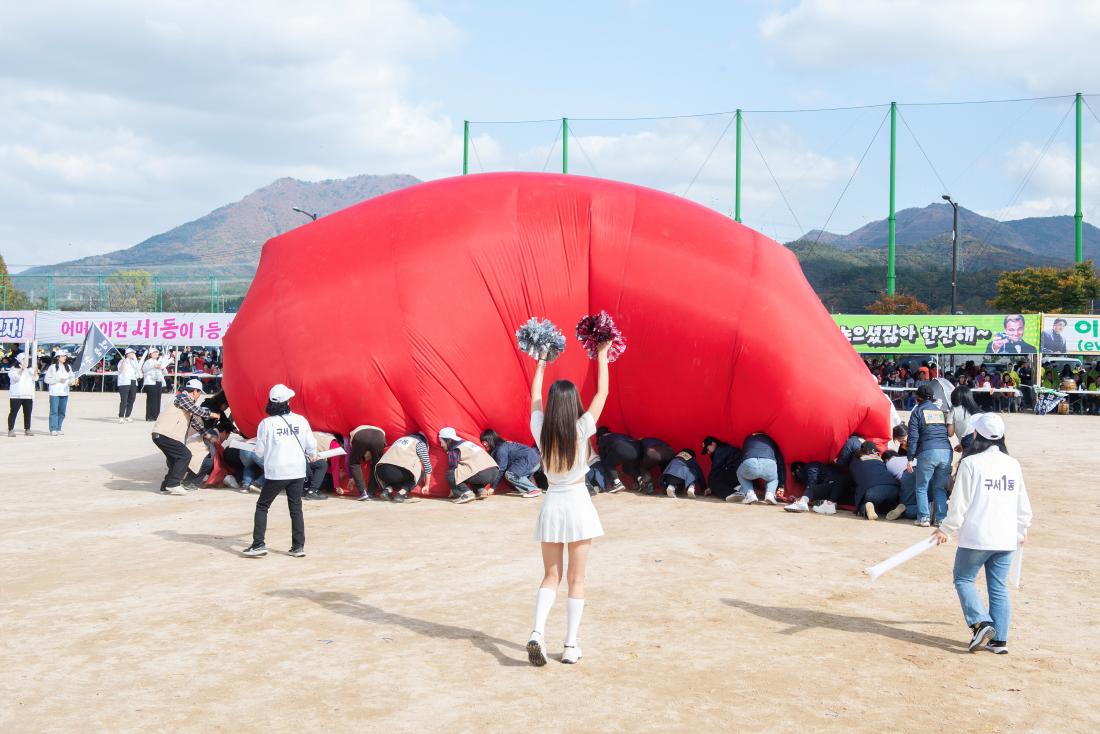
x=16 y=326
x=132 y=327
x=1004 y=334
x=1068 y=334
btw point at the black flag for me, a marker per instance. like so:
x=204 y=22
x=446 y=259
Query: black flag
x=95 y=348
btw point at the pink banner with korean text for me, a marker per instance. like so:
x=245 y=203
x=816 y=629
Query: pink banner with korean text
x=16 y=326
x=133 y=327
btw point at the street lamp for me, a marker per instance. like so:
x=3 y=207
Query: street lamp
x=954 y=253
x=311 y=215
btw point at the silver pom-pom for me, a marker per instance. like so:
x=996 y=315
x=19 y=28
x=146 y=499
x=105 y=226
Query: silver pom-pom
x=537 y=337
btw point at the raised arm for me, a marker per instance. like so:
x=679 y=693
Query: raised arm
x=595 y=408
x=536 y=385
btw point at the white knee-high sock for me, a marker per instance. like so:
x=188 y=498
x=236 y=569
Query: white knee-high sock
x=573 y=610
x=544 y=599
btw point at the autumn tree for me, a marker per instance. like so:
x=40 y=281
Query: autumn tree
x=130 y=290
x=10 y=298
x=1051 y=290
x=897 y=304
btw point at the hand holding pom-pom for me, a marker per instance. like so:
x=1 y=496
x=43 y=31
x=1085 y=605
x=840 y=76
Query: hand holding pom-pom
x=592 y=331
x=540 y=339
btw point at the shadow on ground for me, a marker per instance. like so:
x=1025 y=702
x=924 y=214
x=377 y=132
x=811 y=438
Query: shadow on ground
x=231 y=544
x=350 y=606
x=142 y=474
x=801 y=620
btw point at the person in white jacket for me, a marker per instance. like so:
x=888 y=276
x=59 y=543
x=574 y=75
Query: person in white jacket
x=129 y=372
x=152 y=371
x=21 y=393
x=59 y=377
x=285 y=446
x=991 y=512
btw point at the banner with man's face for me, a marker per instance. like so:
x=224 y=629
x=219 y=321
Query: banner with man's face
x=1071 y=334
x=996 y=334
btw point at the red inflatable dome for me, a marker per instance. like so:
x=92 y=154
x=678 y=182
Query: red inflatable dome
x=401 y=312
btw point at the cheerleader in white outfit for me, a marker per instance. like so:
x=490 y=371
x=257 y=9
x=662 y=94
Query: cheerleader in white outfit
x=568 y=516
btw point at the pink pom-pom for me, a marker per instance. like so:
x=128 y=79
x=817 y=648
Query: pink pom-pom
x=599 y=328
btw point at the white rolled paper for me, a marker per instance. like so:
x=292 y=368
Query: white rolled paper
x=331 y=452
x=1017 y=569
x=239 y=443
x=899 y=558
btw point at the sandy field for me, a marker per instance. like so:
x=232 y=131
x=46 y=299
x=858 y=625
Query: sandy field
x=127 y=610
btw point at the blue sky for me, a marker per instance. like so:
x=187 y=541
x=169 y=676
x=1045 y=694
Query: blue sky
x=123 y=120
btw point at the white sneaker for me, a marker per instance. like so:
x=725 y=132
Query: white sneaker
x=869 y=508
x=129 y=420
x=733 y=497
x=826 y=508
x=670 y=491
x=800 y=505
x=616 y=487
x=770 y=499
x=231 y=482
x=121 y=421
x=54 y=433
x=895 y=513
x=571 y=654
x=749 y=499
x=177 y=491
x=255 y=488
x=536 y=653
x=691 y=491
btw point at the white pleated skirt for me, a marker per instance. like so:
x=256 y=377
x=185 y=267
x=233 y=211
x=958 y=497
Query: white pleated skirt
x=567 y=515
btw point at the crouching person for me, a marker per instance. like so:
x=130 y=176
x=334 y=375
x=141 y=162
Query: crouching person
x=402 y=467
x=617 y=450
x=876 y=487
x=470 y=470
x=285 y=445
x=517 y=462
x=683 y=473
x=760 y=459
x=176 y=431
x=724 y=460
x=822 y=483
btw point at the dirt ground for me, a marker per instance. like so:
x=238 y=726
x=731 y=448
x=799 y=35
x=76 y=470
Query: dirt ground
x=127 y=610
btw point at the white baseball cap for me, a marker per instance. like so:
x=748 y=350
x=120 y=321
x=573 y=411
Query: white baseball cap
x=989 y=425
x=280 y=394
x=130 y=350
x=194 y=385
x=448 y=433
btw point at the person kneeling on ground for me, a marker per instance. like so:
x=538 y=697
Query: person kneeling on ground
x=823 y=483
x=654 y=454
x=286 y=446
x=470 y=469
x=876 y=487
x=683 y=472
x=368 y=443
x=724 y=460
x=617 y=450
x=760 y=459
x=404 y=465
x=896 y=464
x=177 y=427
x=318 y=468
x=595 y=479
x=991 y=512
x=517 y=463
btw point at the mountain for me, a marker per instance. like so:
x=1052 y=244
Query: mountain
x=1048 y=237
x=227 y=241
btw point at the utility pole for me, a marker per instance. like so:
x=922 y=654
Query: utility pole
x=891 y=275
x=565 y=145
x=465 y=147
x=954 y=254
x=737 y=184
x=1078 y=215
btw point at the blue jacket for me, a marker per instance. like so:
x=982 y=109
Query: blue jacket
x=607 y=440
x=687 y=471
x=927 y=429
x=849 y=450
x=818 y=473
x=761 y=446
x=523 y=461
x=870 y=472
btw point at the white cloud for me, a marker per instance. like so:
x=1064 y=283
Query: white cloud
x=1042 y=47
x=1051 y=188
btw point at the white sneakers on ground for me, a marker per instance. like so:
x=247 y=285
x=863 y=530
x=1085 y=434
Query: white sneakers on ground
x=670 y=492
x=691 y=491
x=799 y=505
x=121 y=421
x=55 y=433
x=749 y=498
x=536 y=651
x=869 y=510
x=616 y=487
x=826 y=508
x=895 y=513
x=571 y=654
x=177 y=491
x=231 y=482
x=770 y=499
x=129 y=419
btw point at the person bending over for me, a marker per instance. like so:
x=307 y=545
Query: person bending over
x=760 y=459
x=174 y=430
x=822 y=483
x=471 y=472
x=654 y=455
x=403 y=466
x=876 y=488
x=368 y=443
x=683 y=473
x=517 y=462
x=318 y=467
x=617 y=451
x=724 y=460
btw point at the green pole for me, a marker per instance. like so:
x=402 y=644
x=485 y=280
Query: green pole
x=211 y=294
x=1078 y=216
x=465 y=147
x=737 y=184
x=49 y=292
x=891 y=276
x=565 y=145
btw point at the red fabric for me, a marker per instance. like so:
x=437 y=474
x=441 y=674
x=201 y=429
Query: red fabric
x=422 y=290
x=219 y=472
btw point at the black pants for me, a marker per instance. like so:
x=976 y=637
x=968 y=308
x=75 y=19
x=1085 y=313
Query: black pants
x=316 y=472
x=367 y=444
x=16 y=404
x=838 y=491
x=126 y=396
x=271 y=490
x=390 y=475
x=724 y=482
x=620 y=454
x=177 y=457
x=677 y=484
x=477 y=481
x=152 y=402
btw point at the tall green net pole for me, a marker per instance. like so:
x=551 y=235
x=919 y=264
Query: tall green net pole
x=1078 y=215
x=891 y=275
x=737 y=180
x=212 y=296
x=565 y=145
x=465 y=147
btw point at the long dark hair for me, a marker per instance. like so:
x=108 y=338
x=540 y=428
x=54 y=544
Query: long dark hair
x=962 y=397
x=274 y=408
x=57 y=361
x=981 y=443
x=491 y=439
x=559 y=426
